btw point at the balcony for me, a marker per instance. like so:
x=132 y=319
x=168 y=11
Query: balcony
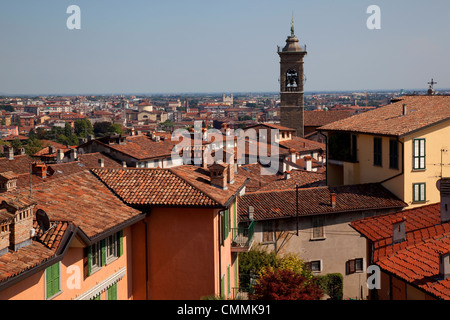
x=243 y=238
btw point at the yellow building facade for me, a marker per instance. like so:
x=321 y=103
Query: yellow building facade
x=408 y=156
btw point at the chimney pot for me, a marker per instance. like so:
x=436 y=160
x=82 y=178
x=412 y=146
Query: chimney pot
x=287 y=175
x=251 y=212
x=405 y=109
x=333 y=199
x=398 y=230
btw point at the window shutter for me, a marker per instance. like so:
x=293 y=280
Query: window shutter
x=120 y=251
x=48 y=282
x=103 y=249
x=351 y=266
x=87 y=262
x=228 y=279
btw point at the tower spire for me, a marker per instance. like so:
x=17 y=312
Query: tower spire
x=292 y=25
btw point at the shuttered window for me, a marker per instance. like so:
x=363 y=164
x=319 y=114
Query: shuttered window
x=354 y=265
x=393 y=154
x=52 y=280
x=377 y=151
x=419 y=192
x=112 y=292
x=317 y=224
x=419 y=154
x=103 y=252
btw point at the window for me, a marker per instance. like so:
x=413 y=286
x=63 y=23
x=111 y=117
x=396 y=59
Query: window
x=354 y=265
x=393 y=154
x=317 y=224
x=419 y=192
x=268 y=231
x=52 y=280
x=377 y=155
x=419 y=154
x=316 y=266
x=112 y=292
x=103 y=252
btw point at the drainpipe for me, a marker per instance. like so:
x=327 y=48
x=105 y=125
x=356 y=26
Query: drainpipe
x=326 y=156
x=146 y=258
x=220 y=250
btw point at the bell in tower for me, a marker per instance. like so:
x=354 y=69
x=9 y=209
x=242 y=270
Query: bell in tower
x=291 y=83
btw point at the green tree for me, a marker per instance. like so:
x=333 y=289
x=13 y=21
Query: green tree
x=115 y=128
x=83 y=128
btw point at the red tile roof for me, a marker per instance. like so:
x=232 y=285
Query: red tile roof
x=302 y=145
x=313 y=201
x=82 y=199
x=178 y=186
x=415 y=260
x=422 y=111
x=317 y=118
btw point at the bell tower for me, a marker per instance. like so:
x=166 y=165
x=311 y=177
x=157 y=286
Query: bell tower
x=291 y=83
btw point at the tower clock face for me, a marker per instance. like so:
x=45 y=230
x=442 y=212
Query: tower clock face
x=291 y=79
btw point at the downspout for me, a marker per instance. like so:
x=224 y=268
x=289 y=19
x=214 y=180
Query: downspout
x=146 y=258
x=326 y=156
x=220 y=250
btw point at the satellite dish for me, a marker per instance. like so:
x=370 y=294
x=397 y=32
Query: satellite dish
x=43 y=220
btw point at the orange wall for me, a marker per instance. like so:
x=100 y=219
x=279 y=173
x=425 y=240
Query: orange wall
x=33 y=287
x=181 y=253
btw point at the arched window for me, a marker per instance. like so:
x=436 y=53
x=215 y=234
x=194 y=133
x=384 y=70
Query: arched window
x=291 y=80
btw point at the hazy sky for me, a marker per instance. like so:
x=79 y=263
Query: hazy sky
x=168 y=46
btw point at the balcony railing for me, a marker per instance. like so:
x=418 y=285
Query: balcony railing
x=243 y=237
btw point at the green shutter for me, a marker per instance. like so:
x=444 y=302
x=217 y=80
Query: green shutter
x=112 y=292
x=103 y=246
x=222 y=286
x=228 y=280
x=234 y=215
x=89 y=260
x=48 y=282
x=52 y=280
x=120 y=243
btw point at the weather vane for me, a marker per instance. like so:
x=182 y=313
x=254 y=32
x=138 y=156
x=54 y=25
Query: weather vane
x=292 y=24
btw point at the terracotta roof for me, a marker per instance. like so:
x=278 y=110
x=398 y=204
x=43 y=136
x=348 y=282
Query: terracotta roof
x=178 y=186
x=302 y=145
x=15 y=262
x=82 y=199
x=415 y=260
x=317 y=118
x=313 y=201
x=302 y=178
x=422 y=111
x=53 y=236
x=272 y=125
x=20 y=165
x=143 y=147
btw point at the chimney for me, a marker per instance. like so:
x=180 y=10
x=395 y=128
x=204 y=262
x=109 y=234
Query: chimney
x=51 y=149
x=443 y=186
x=333 y=199
x=8 y=152
x=39 y=169
x=8 y=181
x=4 y=233
x=218 y=175
x=21 y=151
x=101 y=163
x=157 y=138
x=124 y=164
x=444 y=262
x=287 y=175
x=73 y=155
x=405 y=109
x=59 y=156
x=398 y=230
x=251 y=212
x=20 y=222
